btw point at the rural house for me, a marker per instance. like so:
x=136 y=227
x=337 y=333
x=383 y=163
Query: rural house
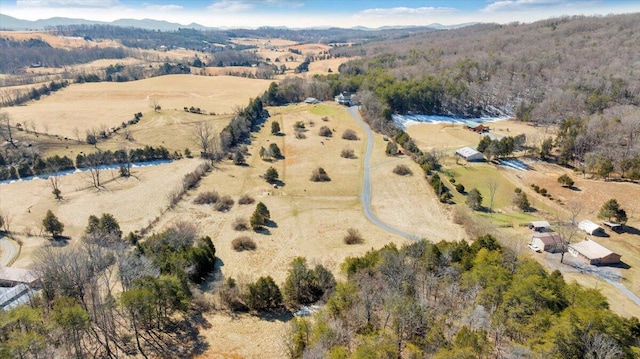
x=16 y=286
x=469 y=154
x=476 y=127
x=548 y=242
x=590 y=227
x=13 y=276
x=540 y=226
x=344 y=98
x=593 y=253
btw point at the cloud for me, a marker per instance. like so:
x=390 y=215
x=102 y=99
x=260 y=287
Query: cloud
x=230 y=6
x=68 y=3
x=519 y=5
x=168 y=7
x=404 y=11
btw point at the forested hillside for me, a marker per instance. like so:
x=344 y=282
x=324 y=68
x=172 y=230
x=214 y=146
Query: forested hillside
x=452 y=300
x=545 y=71
x=582 y=73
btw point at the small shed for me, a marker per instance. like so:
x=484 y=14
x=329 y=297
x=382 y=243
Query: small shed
x=469 y=154
x=590 y=227
x=616 y=227
x=592 y=252
x=548 y=242
x=476 y=126
x=540 y=226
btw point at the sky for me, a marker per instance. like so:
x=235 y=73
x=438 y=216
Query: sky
x=315 y=13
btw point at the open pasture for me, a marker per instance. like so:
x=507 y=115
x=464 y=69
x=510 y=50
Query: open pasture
x=82 y=107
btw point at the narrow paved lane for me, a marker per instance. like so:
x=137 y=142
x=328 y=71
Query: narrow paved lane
x=7 y=251
x=365 y=197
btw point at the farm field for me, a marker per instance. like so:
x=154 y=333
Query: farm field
x=81 y=107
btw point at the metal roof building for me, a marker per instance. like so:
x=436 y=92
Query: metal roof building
x=593 y=253
x=470 y=154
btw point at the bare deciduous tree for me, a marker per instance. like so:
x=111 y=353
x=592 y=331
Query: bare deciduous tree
x=5 y=129
x=493 y=187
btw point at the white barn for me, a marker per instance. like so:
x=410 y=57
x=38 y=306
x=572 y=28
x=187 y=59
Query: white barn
x=470 y=154
x=590 y=227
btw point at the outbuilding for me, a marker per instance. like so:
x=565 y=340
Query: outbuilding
x=469 y=154
x=548 y=242
x=590 y=227
x=10 y=277
x=540 y=226
x=476 y=127
x=592 y=252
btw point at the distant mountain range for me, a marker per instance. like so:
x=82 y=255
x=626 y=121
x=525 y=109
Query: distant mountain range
x=11 y=23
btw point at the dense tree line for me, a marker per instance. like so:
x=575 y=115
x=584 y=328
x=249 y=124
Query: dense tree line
x=17 y=55
x=452 y=299
x=243 y=122
x=33 y=165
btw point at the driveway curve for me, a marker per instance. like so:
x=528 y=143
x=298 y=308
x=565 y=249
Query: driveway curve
x=365 y=197
x=7 y=251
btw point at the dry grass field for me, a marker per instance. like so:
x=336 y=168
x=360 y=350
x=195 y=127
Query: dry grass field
x=590 y=195
x=81 y=107
x=63 y=42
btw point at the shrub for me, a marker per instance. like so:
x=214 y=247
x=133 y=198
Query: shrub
x=275 y=127
x=300 y=134
x=353 y=236
x=566 y=181
x=350 y=135
x=543 y=192
x=522 y=202
x=238 y=158
x=246 y=199
x=460 y=188
x=347 y=153
x=240 y=224
x=209 y=197
x=392 y=149
x=243 y=243
x=275 y=150
x=224 y=204
x=325 y=131
x=299 y=125
x=320 y=175
x=325 y=119
x=271 y=175
x=474 y=200
x=402 y=170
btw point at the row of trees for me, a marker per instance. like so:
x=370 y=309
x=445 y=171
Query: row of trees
x=450 y=300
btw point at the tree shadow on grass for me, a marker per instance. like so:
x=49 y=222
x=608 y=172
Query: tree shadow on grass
x=263 y=230
x=60 y=241
x=271 y=224
x=631 y=230
x=276 y=316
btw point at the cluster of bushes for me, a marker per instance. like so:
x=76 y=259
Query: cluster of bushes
x=176 y=251
x=243 y=243
x=541 y=190
x=302 y=286
x=521 y=201
x=320 y=175
x=442 y=191
x=353 y=237
x=347 y=152
x=402 y=170
x=197 y=110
